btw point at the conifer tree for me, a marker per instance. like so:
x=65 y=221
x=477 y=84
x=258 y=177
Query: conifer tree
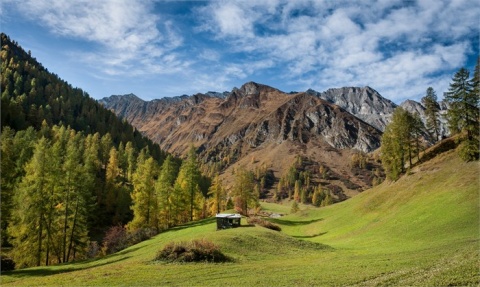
x=463 y=113
x=244 y=191
x=296 y=193
x=295 y=207
x=31 y=200
x=432 y=110
x=112 y=183
x=218 y=196
x=400 y=142
x=164 y=190
x=188 y=179
x=459 y=101
x=145 y=202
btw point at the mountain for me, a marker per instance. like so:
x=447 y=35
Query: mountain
x=258 y=126
x=365 y=103
x=31 y=94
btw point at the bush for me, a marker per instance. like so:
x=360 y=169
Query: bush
x=115 y=240
x=468 y=150
x=193 y=251
x=264 y=223
x=7 y=264
x=140 y=235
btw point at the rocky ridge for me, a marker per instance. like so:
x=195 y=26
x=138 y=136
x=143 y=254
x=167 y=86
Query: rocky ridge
x=257 y=125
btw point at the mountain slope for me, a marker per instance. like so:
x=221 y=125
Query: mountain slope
x=364 y=103
x=253 y=126
x=421 y=230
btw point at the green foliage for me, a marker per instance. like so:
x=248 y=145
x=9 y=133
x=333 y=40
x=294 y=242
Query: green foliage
x=218 y=196
x=145 y=202
x=164 y=188
x=244 y=191
x=294 y=208
x=188 y=180
x=31 y=94
x=400 y=142
x=463 y=102
x=432 y=109
x=468 y=150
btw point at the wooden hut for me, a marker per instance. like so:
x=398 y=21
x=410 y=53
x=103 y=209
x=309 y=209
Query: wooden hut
x=228 y=220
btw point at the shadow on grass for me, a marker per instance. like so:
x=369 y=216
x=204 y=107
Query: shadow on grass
x=58 y=269
x=191 y=224
x=310 y=236
x=293 y=223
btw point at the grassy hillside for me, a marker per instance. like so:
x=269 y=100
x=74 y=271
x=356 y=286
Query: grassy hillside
x=420 y=230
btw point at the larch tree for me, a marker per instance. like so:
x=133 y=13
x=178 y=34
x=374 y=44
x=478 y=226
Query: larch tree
x=145 y=202
x=164 y=191
x=244 y=191
x=218 y=196
x=432 y=110
x=188 y=179
x=400 y=142
x=31 y=200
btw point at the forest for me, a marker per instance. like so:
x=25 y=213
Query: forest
x=72 y=171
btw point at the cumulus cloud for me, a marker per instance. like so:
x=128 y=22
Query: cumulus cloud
x=396 y=47
x=128 y=37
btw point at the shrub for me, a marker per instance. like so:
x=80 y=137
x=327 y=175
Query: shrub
x=193 y=251
x=7 y=264
x=468 y=150
x=264 y=223
x=115 y=240
x=140 y=235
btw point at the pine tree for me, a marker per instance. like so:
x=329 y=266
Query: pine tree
x=463 y=111
x=463 y=114
x=432 y=110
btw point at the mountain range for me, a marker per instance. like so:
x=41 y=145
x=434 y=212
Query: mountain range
x=260 y=126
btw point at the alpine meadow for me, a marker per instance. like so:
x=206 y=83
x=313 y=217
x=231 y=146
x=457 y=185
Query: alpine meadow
x=252 y=186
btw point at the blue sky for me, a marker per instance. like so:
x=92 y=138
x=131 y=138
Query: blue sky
x=160 y=49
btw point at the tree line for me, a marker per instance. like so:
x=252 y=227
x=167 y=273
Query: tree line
x=62 y=188
x=404 y=138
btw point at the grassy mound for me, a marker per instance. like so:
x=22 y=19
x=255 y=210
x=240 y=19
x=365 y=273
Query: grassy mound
x=200 y=250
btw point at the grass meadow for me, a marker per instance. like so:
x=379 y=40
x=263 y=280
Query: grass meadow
x=421 y=230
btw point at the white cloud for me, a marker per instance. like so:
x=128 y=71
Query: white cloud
x=128 y=38
x=396 y=47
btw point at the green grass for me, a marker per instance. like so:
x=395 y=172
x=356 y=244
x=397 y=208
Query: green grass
x=421 y=230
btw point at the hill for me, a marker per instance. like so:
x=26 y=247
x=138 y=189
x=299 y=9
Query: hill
x=421 y=230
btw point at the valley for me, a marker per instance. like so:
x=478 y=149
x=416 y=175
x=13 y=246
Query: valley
x=421 y=230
